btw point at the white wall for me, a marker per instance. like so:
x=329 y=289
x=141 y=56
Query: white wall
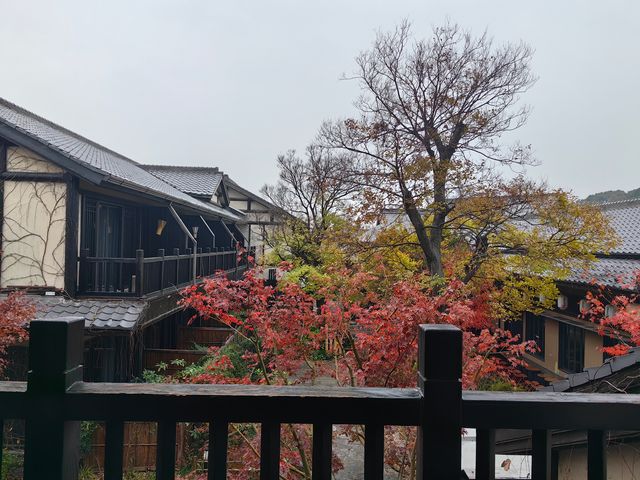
x=33 y=228
x=623 y=462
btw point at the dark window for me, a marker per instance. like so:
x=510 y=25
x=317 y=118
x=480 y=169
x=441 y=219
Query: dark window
x=571 y=348
x=534 y=330
x=515 y=327
x=608 y=342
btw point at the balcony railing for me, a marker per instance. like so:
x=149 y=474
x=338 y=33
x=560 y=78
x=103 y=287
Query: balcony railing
x=146 y=275
x=55 y=398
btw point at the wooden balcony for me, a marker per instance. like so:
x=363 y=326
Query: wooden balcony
x=144 y=275
x=55 y=398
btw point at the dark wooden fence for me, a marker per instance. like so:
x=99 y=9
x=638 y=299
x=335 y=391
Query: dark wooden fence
x=54 y=399
x=144 y=275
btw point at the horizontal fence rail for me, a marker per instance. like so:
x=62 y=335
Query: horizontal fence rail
x=142 y=275
x=54 y=400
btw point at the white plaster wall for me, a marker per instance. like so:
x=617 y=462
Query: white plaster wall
x=33 y=232
x=238 y=204
x=22 y=160
x=623 y=463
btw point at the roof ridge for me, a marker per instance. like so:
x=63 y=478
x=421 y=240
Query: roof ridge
x=182 y=167
x=71 y=133
x=617 y=203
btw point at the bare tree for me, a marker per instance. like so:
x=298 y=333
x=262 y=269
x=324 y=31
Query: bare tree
x=431 y=116
x=313 y=191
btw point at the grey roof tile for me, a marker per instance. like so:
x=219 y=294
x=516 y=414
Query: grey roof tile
x=199 y=181
x=118 y=168
x=610 y=272
x=624 y=218
x=118 y=314
x=609 y=367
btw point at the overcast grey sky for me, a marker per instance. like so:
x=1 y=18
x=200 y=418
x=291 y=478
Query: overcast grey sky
x=232 y=84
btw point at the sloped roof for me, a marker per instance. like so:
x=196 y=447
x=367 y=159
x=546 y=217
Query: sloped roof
x=610 y=367
x=198 y=181
x=116 y=168
x=609 y=272
x=104 y=314
x=624 y=217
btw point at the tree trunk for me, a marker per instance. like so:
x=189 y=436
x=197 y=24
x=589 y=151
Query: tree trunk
x=431 y=251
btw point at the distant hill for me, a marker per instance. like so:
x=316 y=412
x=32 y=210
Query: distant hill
x=613 y=196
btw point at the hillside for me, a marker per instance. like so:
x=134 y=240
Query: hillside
x=613 y=196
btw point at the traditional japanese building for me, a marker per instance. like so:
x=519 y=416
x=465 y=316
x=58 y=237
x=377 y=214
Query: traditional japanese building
x=89 y=232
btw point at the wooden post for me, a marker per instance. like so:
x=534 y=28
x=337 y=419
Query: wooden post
x=52 y=445
x=217 y=458
x=485 y=454
x=139 y=273
x=161 y=254
x=439 y=379
x=596 y=455
x=270 y=451
x=541 y=455
x=176 y=253
x=208 y=252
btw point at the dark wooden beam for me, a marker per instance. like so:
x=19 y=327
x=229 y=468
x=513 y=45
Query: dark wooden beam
x=113 y=450
x=550 y=410
x=541 y=455
x=3 y=168
x=374 y=451
x=485 y=454
x=270 y=451
x=322 y=451
x=25 y=140
x=34 y=176
x=596 y=455
x=439 y=380
x=217 y=457
x=71 y=237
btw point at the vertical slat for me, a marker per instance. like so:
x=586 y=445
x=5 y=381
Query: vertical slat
x=439 y=379
x=596 y=455
x=176 y=253
x=217 y=460
x=541 y=455
x=139 y=272
x=166 y=450
x=161 y=254
x=1 y=441
x=322 y=448
x=270 y=451
x=485 y=454
x=113 y=450
x=373 y=452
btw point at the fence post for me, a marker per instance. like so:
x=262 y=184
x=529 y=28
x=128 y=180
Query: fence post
x=139 y=272
x=161 y=254
x=439 y=380
x=52 y=445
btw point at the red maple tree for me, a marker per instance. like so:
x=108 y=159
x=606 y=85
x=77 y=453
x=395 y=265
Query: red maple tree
x=351 y=331
x=15 y=313
x=616 y=312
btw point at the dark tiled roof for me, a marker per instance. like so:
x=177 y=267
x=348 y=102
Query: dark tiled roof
x=609 y=272
x=114 y=314
x=609 y=367
x=199 y=181
x=624 y=218
x=118 y=168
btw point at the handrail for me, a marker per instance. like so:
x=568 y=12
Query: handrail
x=144 y=275
x=54 y=400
